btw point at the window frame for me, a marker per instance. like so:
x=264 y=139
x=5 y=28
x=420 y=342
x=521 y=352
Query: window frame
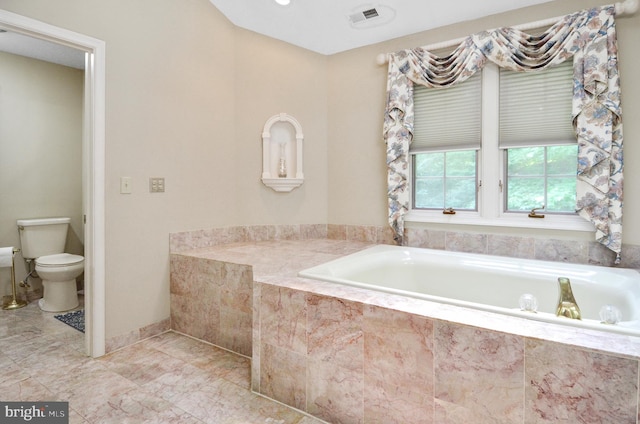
x=414 y=177
x=491 y=170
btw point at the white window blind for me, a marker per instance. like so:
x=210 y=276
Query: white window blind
x=535 y=107
x=447 y=118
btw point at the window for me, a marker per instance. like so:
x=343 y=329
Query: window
x=496 y=146
x=447 y=138
x=541 y=177
x=446 y=180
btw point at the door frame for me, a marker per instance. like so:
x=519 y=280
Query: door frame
x=93 y=165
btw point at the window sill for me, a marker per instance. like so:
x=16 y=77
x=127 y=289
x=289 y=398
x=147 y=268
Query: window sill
x=514 y=220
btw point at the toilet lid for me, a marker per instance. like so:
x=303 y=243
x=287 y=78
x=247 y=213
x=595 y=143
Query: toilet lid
x=61 y=259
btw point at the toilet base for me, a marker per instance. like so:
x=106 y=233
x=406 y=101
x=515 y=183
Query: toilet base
x=59 y=296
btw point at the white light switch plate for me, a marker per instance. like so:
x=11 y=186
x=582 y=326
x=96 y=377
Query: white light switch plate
x=125 y=185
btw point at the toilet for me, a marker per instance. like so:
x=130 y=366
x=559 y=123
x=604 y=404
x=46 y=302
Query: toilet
x=43 y=240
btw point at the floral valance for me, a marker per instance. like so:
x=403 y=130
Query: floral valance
x=589 y=39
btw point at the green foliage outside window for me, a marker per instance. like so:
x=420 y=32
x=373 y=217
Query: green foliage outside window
x=542 y=176
x=445 y=180
x=536 y=177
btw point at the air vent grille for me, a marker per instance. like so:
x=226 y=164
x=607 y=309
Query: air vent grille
x=363 y=15
x=370 y=16
x=370 y=13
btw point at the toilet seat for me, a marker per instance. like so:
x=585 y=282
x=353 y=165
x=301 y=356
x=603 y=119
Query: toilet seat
x=59 y=260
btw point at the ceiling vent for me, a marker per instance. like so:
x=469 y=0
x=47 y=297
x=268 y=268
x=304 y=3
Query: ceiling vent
x=368 y=16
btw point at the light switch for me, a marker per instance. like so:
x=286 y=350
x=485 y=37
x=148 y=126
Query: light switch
x=125 y=185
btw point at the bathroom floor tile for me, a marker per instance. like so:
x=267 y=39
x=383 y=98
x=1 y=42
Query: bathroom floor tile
x=170 y=378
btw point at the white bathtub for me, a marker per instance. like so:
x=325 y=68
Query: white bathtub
x=490 y=283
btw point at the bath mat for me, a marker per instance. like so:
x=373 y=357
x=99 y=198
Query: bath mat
x=74 y=319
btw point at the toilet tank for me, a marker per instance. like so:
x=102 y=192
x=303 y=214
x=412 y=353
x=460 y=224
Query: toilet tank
x=44 y=236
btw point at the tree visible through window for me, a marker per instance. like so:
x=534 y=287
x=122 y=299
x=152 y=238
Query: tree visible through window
x=542 y=177
x=446 y=180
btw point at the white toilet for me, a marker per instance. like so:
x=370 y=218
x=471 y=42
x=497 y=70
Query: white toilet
x=44 y=240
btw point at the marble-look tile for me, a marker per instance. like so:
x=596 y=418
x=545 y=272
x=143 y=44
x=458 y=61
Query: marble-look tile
x=235 y=331
x=515 y=247
x=26 y=389
x=259 y=233
x=565 y=384
x=213 y=302
x=208 y=271
x=334 y=392
x=336 y=232
x=630 y=256
x=335 y=371
x=210 y=359
x=183 y=272
x=600 y=255
x=88 y=396
x=221 y=401
x=283 y=376
x=335 y=361
x=287 y=232
x=256 y=338
x=398 y=367
x=429 y=239
x=334 y=331
x=313 y=231
x=237 y=278
x=385 y=235
x=179 y=383
x=135 y=405
x=198 y=317
x=364 y=233
x=465 y=242
x=155 y=329
x=284 y=318
x=562 y=250
x=141 y=383
x=478 y=375
x=140 y=363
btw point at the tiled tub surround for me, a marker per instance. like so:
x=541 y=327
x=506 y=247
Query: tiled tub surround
x=211 y=289
x=354 y=356
x=513 y=246
x=527 y=247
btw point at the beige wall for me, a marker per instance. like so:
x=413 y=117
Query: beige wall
x=40 y=150
x=274 y=77
x=187 y=97
x=357 y=192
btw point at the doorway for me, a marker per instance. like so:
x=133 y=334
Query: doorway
x=93 y=164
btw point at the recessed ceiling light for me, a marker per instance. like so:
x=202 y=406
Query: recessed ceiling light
x=283 y=2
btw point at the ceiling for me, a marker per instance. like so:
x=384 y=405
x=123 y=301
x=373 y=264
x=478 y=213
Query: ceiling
x=323 y=26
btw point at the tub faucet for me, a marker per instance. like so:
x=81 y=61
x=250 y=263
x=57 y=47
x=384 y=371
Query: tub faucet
x=567 y=306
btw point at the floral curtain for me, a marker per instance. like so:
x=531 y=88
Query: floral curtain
x=589 y=38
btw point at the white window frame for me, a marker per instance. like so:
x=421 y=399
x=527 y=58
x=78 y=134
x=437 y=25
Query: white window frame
x=491 y=173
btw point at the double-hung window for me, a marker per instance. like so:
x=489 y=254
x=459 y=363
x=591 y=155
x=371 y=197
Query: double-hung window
x=446 y=145
x=495 y=147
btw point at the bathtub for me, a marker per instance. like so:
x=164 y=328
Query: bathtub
x=490 y=283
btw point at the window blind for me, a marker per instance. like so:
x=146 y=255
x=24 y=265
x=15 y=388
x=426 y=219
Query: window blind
x=535 y=107
x=447 y=118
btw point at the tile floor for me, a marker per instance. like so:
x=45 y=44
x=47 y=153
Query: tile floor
x=170 y=378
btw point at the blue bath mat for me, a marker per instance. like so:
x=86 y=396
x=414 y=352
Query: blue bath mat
x=74 y=319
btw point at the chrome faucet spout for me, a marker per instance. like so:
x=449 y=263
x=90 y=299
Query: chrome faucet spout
x=567 y=306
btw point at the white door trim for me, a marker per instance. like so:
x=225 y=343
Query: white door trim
x=93 y=167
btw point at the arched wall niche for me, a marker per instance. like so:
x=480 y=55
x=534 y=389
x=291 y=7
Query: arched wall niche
x=282 y=153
